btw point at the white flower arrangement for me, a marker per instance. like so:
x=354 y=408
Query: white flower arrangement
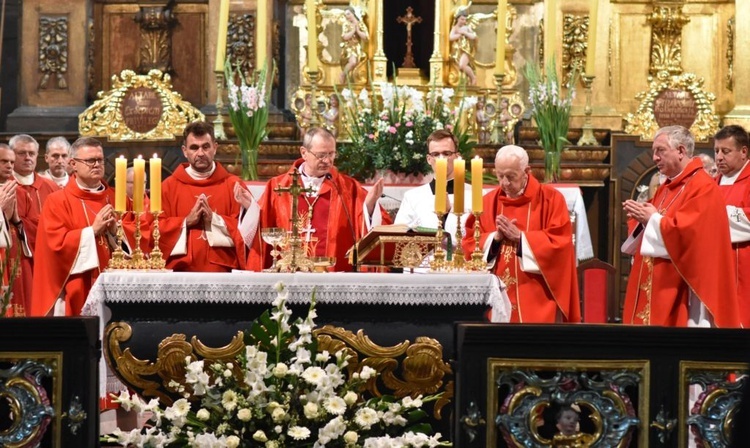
x=281 y=392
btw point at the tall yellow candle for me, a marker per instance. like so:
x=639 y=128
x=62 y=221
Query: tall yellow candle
x=312 y=36
x=459 y=180
x=154 y=166
x=441 y=184
x=261 y=27
x=591 y=51
x=139 y=171
x=121 y=177
x=550 y=28
x=221 y=40
x=477 y=170
x=502 y=11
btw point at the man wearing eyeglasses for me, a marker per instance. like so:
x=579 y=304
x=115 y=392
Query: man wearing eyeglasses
x=75 y=236
x=335 y=213
x=528 y=239
x=31 y=194
x=205 y=227
x=418 y=206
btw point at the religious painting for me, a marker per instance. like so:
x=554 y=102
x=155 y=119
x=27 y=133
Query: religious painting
x=563 y=403
x=710 y=395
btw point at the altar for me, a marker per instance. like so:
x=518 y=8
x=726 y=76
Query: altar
x=150 y=321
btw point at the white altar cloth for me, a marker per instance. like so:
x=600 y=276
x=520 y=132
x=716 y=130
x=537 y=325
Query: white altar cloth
x=394 y=194
x=255 y=287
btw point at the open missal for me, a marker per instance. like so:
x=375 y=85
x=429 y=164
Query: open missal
x=395 y=245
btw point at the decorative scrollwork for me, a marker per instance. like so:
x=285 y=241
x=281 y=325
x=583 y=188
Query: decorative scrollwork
x=166 y=112
x=601 y=397
x=405 y=369
x=713 y=412
x=156 y=37
x=666 y=39
x=53 y=50
x=575 y=37
x=28 y=402
x=730 y=53
x=241 y=44
x=644 y=123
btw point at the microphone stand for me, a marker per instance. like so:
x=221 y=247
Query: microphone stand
x=355 y=248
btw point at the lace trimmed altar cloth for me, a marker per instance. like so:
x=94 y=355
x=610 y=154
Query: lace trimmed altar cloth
x=257 y=288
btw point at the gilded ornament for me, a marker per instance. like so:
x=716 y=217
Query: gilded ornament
x=574 y=46
x=140 y=101
x=53 y=51
x=645 y=122
x=666 y=39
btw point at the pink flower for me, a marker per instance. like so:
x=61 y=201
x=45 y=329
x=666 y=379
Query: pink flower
x=409 y=124
x=372 y=136
x=449 y=127
x=398 y=125
x=392 y=129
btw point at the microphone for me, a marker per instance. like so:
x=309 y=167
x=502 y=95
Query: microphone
x=355 y=248
x=391 y=198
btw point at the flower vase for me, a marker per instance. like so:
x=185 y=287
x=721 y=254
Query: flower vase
x=551 y=166
x=249 y=161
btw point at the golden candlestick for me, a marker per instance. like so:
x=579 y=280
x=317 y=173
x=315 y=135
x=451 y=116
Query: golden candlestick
x=477 y=257
x=156 y=260
x=438 y=257
x=587 y=137
x=137 y=261
x=219 y=133
x=458 y=254
x=500 y=137
x=117 y=261
x=314 y=78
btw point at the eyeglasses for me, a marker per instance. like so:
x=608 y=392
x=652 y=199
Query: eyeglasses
x=442 y=154
x=323 y=155
x=90 y=162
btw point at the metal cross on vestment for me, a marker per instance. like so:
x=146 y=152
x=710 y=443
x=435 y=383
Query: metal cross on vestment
x=737 y=214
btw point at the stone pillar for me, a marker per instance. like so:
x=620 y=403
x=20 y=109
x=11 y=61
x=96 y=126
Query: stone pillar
x=741 y=113
x=54 y=65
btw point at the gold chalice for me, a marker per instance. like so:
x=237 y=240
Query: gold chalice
x=323 y=264
x=273 y=236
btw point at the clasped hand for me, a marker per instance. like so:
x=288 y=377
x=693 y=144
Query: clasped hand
x=105 y=220
x=640 y=211
x=507 y=229
x=8 y=199
x=201 y=213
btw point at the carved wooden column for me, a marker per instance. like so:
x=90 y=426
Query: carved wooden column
x=53 y=76
x=741 y=67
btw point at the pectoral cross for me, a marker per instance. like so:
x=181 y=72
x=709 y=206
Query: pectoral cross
x=409 y=20
x=737 y=214
x=308 y=231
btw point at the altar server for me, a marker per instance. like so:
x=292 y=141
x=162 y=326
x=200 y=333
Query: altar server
x=527 y=236
x=337 y=212
x=682 y=274
x=730 y=149
x=205 y=227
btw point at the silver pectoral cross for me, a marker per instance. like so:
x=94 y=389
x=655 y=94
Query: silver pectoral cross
x=737 y=214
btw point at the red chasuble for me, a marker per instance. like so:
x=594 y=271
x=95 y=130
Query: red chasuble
x=179 y=193
x=738 y=194
x=29 y=200
x=64 y=216
x=696 y=235
x=542 y=216
x=333 y=231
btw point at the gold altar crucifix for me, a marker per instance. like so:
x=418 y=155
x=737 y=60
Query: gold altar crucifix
x=294 y=259
x=409 y=20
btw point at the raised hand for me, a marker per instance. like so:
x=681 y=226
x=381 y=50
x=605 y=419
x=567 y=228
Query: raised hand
x=373 y=195
x=242 y=196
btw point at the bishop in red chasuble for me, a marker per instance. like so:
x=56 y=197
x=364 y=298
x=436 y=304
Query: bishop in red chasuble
x=527 y=235
x=683 y=274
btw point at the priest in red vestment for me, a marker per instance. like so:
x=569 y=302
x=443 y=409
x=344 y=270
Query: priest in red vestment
x=683 y=273
x=527 y=235
x=10 y=234
x=75 y=235
x=730 y=148
x=31 y=194
x=336 y=212
x=205 y=225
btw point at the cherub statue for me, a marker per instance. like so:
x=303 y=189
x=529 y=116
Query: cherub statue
x=354 y=36
x=331 y=115
x=463 y=43
x=570 y=435
x=483 y=121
